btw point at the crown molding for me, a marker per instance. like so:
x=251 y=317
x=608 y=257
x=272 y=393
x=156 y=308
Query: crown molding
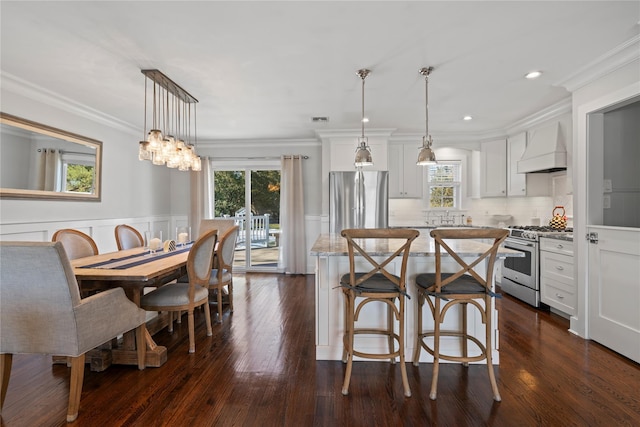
x=353 y=133
x=616 y=58
x=14 y=84
x=553 y=111
x=258 y=143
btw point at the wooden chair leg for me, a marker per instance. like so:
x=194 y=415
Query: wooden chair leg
x=488 y=347
x=349 y=342
x=390 y=339
x=436 y=350
x=75 y=388
x=465 y=340
x=230 y=287
x=141 y=346
x=192 y=338
x=403 y=365
x=170 y=318
x=5 y=372
x=418 y=345
x=345 y=335
x=207 y=318
x=220 y=305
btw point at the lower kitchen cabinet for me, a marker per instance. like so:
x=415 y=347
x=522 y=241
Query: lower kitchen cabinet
x=557 y=281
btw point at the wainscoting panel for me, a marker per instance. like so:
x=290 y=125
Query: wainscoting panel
x=102 y=230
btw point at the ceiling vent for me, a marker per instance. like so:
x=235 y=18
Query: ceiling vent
x=320 y=119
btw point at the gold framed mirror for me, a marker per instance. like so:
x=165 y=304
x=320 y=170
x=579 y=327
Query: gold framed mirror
x=41 y=162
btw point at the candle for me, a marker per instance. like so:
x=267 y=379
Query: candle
x=155 y=244
x=182 y=238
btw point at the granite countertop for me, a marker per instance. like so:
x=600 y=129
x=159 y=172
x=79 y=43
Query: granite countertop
x=424 y=245
x=567 y=237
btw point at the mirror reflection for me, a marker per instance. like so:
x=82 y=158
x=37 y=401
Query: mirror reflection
x=38 y=161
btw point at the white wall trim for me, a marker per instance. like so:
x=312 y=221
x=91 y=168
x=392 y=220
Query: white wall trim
x=101 y=230
x=616 y=58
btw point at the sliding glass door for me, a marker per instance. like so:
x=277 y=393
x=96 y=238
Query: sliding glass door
x=251 y=196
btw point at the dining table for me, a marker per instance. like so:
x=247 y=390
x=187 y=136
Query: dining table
x=134 y=270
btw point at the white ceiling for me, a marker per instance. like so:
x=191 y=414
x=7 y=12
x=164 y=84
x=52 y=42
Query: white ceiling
x=263 y=69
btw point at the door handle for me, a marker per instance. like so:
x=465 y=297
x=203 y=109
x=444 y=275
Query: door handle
x=592 y=237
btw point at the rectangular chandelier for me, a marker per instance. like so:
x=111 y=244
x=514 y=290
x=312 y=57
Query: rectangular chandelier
x=172 y=139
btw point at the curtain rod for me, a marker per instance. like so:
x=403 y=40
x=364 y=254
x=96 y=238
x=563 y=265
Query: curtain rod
x=260 y=158
x=63 y=151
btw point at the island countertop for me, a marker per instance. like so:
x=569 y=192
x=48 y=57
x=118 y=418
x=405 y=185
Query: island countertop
x=424 y=245
x=332 y=261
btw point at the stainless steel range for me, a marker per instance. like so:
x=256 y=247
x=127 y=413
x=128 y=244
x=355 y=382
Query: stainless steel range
x=521 y=275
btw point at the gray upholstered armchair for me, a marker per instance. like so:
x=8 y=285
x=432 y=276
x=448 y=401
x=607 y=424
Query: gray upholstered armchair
x=41 y=312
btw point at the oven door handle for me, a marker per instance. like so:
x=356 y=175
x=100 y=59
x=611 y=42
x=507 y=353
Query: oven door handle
x=510 y=244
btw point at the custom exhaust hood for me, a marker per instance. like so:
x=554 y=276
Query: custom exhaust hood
x=545 y=152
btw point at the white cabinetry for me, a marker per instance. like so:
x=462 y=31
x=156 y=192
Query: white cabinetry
x=557 y=283
x=343 y=152
x=516 y=182
x=405 y=177
x=493 y=168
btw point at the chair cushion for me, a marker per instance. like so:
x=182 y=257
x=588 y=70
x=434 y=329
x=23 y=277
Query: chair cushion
x=377 y=283
x=175 y=294
x=463 y=285
x=226 y=277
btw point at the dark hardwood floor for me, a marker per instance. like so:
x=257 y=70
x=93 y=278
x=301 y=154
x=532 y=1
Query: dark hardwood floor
x=259 y=369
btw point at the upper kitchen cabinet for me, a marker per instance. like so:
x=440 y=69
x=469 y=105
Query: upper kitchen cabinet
x=343 y=151
x=493 y=168
x=405 y=177
x=516 y=182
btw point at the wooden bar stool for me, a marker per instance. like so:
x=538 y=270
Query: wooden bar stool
x=462 y=288
x=377 y=283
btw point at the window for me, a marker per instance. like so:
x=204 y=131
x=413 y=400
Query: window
x=443 y=180
x=78 y=172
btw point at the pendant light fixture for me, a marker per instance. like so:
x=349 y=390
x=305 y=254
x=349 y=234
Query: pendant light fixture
x=174 y=145
x=363 y=152
x=426 y=156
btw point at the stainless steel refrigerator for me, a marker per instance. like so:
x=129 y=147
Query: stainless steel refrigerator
x=358 y=199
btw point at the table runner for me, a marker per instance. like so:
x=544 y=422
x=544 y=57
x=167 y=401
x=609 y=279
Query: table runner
x=134 y=260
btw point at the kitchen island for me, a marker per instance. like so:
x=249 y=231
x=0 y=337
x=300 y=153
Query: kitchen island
x=332 y=261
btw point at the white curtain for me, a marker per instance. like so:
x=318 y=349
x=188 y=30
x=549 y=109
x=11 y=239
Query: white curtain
x=201 y=197
x=292 y=239
x=48 y=170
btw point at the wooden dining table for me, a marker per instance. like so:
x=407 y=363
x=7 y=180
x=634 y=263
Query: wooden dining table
x=133 y=270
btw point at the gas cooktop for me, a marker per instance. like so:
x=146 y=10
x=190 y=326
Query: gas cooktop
x=540 y=228
x=534 y=232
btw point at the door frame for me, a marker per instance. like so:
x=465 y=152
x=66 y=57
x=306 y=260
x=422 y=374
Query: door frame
x=247 y=166
x=579 y=324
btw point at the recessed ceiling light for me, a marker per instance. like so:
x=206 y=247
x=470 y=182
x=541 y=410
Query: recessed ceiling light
x=467 y=118
x=365 y=119
x=533 y=74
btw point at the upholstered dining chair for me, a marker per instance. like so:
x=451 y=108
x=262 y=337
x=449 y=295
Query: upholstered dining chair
x=374 y=280
x=192 y=293
x=461 y=286
x=42 y=312
x=128 y=237
x=222 y=273
x=76 y=243
x=220 y=224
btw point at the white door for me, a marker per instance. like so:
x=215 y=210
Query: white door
x=613 y=228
